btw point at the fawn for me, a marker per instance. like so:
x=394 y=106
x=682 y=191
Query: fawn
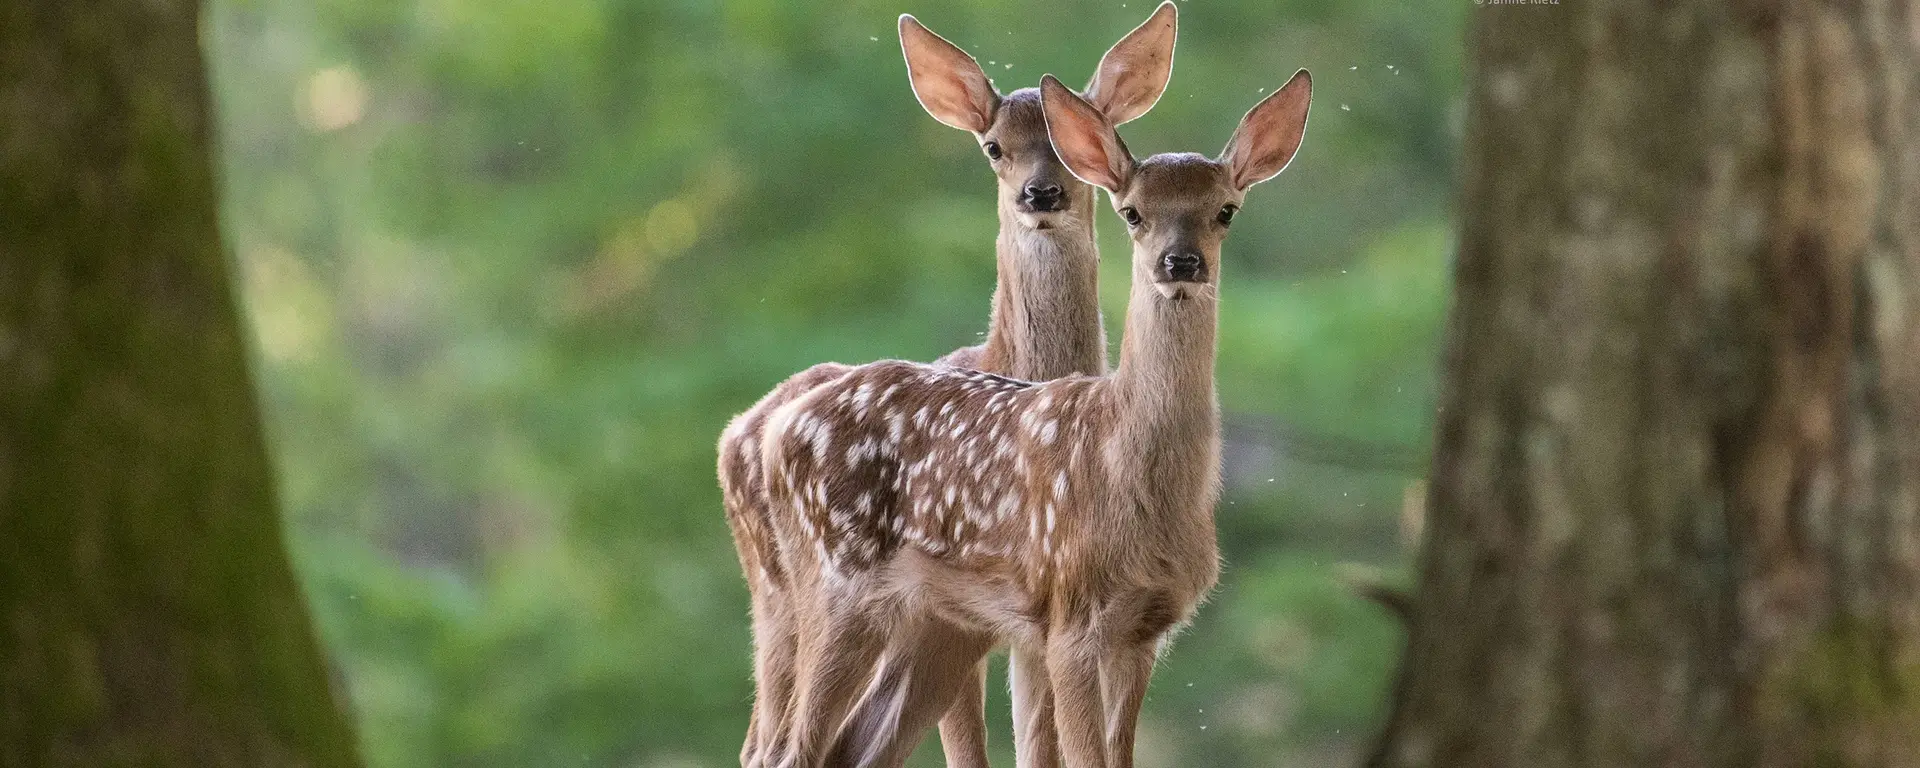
x=1045 y=323
x=926 y=513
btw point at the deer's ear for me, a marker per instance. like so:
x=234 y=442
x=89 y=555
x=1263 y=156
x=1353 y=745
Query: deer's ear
x=1270 y=134
x=1084 y=138
x=948 y=82
x=1135 y=70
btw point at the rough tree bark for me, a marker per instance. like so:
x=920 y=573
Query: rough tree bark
x=147 y=612
x=1675 y=501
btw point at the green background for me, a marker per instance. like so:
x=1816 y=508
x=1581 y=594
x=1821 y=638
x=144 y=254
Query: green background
x=512 y=264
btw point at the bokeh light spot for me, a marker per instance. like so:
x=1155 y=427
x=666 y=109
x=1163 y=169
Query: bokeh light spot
x=336 y=97
x=671 y=227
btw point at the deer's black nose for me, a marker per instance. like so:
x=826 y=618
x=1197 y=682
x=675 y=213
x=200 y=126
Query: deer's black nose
x=1044 y=197
x=1182 y=266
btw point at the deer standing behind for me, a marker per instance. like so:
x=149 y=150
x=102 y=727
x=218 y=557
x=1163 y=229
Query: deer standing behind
x=1045 y=324
x=927 y=513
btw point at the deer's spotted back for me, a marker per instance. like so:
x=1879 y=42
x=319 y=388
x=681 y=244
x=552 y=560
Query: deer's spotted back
x=742 y=484
x=955 y=463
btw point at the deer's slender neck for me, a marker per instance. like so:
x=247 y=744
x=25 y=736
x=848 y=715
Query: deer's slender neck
x=1046 y=303
x=1164 y=386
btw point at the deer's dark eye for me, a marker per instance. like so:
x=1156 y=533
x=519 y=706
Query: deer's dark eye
x=1132 y=216
x=993 y=150
x=1226 y=214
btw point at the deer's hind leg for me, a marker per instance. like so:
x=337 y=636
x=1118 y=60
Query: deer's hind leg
x=963 y=729
x=774 y=650
x=1035 y=744
x=838 y=642
x=927 y=665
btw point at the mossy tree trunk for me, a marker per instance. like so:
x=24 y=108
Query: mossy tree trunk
x=147 y=612
x=1674 y=517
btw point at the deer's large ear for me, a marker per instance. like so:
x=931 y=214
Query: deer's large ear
x=1135 y=70
x=1270 y=134
x=1084 y=138
x=948 y=82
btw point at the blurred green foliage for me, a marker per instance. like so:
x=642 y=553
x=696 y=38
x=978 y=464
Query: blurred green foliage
x=511 y=265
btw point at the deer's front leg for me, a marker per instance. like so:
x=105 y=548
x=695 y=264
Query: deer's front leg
x=1073 y=670
x=1035 y=742
x=1124 y=672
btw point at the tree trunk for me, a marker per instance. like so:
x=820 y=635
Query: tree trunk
x=1675 y=501
x=147 y=612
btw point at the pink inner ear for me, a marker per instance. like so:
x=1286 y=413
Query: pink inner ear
x=1078 y=133
x=963 y=100
x=948 y=82
x=1270 y=135
x=1133 y=73
x=1082 y=136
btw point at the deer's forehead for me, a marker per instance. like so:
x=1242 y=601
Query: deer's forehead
x=1180 y=179
x=1020 y=121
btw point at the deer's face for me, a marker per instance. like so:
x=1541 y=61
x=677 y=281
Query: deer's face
x=1177 y=208
x=1033 y=184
